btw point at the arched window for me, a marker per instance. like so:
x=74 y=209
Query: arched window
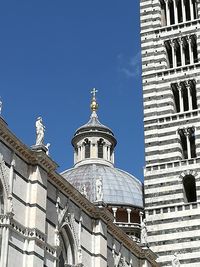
x=100 y=148
x=87 y=148
x=189 y=185
x=67 y=253
x=187 y=138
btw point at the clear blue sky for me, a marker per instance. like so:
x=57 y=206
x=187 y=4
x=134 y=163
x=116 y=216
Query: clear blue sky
x=52 y=53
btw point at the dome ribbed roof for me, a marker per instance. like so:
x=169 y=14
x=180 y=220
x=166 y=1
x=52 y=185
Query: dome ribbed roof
x=119 y=187
x=94 y=124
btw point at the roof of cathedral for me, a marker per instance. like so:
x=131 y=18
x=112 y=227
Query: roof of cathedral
x=119 y=187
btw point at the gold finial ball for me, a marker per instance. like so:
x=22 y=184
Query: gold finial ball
x=94 y=106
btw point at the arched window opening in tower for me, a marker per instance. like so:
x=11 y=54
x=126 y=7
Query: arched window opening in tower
x=189 y=185
x=87 y=148
x=168 y=48
x=181 y=51
x=194 y=48
x=175 y=91
x=186 y=53
x=100 y=148
x=171 y=11
x=192 y=84
x=192 y=142
x=178 y=54
x=184 y=94
x=187 y=138
x=183 y=143
x=177 y=11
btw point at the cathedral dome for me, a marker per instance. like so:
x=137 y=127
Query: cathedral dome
x=118 y=187
x=94 y=174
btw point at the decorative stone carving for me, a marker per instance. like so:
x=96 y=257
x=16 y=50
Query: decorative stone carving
x=175 y=261
x=119 y=261
x=57 y=238
x=122 y=262
x=99 y=189
x=144 y=232
x=40 y=129
x=83 y=190
x=62 y=215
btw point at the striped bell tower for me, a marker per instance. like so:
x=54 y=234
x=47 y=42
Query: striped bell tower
x=170 y=39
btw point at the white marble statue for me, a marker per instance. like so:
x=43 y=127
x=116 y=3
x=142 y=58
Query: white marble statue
x=175 y=261
x=143 y=232
x=99 y=189
x=40 y=129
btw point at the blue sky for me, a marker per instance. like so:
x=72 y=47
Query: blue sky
x=52 y=53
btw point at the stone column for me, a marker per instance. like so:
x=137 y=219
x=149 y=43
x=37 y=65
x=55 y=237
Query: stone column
x=163 y=17
x=183 y=10
x=4 y=243
x=113 y=157
x=189 y=95
x=175 y=11
x=187 y=132
x=191 y=10
x=191 y=50
x=105 y=154
x=109 y=153
x=180 y=97
x=94 y=150
x=141 y=216
x=114 y=213
x=167 y=12
x=129 y=215
x=82 y=151
x=79 y=153
x=181 y=43
x=174 y=60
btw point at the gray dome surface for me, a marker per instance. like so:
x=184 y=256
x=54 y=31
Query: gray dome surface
x=119 y=187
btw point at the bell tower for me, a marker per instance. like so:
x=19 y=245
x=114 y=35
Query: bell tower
x=171 y=95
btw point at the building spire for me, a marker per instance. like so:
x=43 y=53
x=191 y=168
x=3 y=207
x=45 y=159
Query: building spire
x=94 y=105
